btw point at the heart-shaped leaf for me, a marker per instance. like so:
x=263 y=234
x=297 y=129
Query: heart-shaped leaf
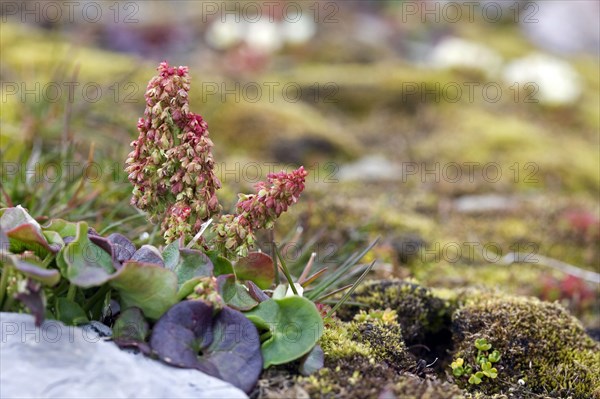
x=150 y=287
x=292 y=326
x=256 y=267
x=235 y=294
x=87 y=265
x=226 y=346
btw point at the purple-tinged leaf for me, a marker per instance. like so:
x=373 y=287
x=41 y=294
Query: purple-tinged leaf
x=107 y=246
x=48 y=277
x=28 y=237
x=313 y=361
x=15 y=217
x=256 y=267
x=235 y=349
x=24 y=232
x=123 y=248
x=226 y=346
x=235 y=294
x=187 y=264
x=148 y=254
x=102 y=243
x=87 y=265
x=148 y=286
x=255 y=292
x=32 y=298
x=182 y=332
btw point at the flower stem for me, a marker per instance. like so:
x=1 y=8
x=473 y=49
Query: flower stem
x=286 y=272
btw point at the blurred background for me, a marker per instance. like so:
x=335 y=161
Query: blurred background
x=459 y=132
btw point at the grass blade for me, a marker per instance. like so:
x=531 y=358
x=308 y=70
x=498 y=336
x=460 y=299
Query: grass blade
x=348 y=293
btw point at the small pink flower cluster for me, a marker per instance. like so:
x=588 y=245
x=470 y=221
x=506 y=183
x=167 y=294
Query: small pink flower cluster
x=264 y=207
x=171 y=165
x=259 y=211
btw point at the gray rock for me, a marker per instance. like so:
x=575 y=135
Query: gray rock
x=485 y=203
x=57 y=361
x=373 y=168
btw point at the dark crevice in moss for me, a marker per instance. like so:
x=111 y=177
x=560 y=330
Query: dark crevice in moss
x=425 y=319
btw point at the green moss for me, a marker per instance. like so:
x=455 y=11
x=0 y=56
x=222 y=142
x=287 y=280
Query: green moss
x=541 y=153
x=540 y=344
x=338 y=342
x=367 y=358
x=419 y=312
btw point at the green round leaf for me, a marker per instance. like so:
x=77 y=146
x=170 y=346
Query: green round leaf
x=292 y=325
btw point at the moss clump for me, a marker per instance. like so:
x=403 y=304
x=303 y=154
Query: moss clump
x=420 y=313
x=362 y=357
x=540 y=343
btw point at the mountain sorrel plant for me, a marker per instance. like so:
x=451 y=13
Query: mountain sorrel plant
x=172 y=170
x=179 y=303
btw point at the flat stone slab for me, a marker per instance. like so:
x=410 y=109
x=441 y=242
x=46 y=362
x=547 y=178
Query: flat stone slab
x=58 y=361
